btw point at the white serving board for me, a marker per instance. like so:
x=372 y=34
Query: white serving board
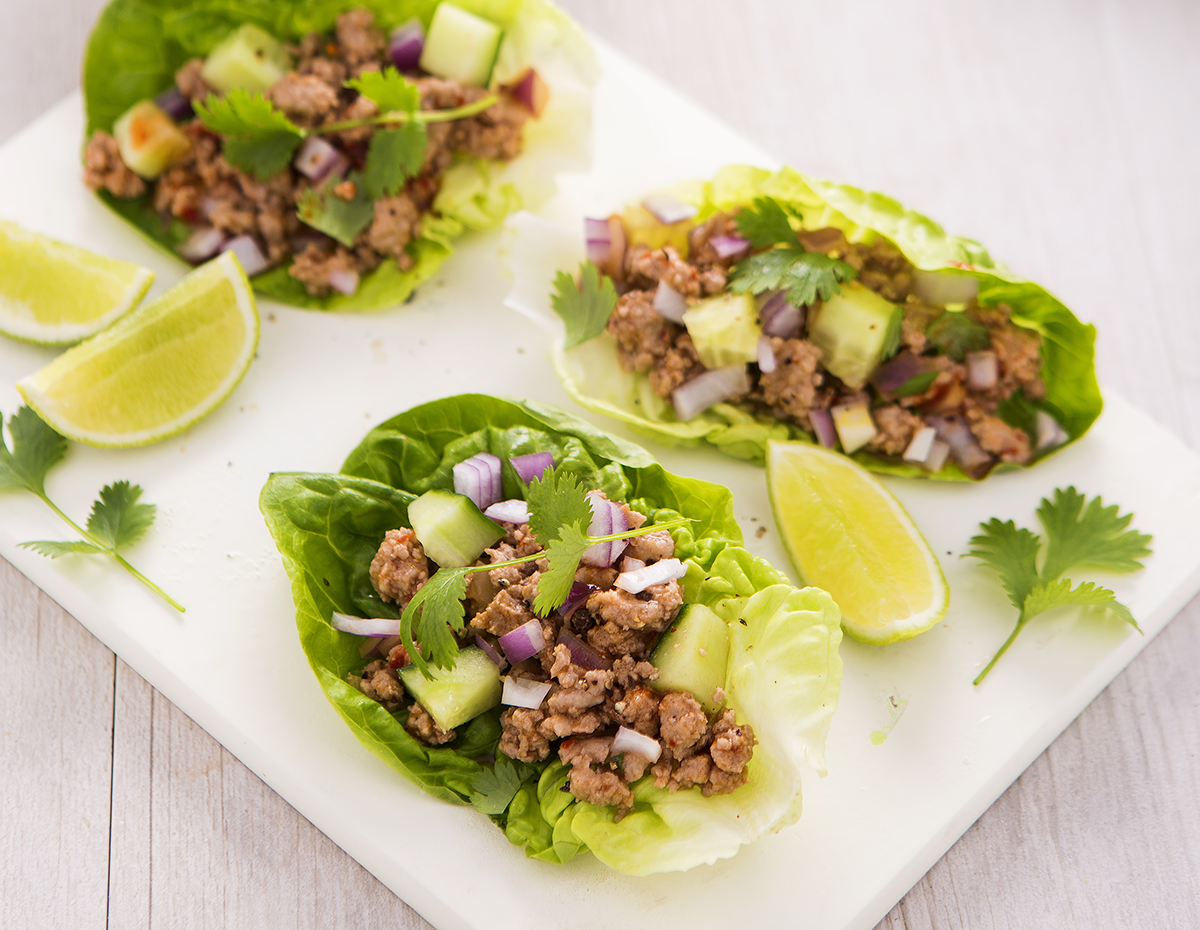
x=870 y=829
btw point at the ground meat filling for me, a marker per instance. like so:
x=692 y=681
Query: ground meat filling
x=663 y=350
x=204 y=190
x=585 y=706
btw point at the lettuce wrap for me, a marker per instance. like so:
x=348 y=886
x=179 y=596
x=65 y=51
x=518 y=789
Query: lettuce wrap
x=593 y=376
x=783 y=675
x=137 y=46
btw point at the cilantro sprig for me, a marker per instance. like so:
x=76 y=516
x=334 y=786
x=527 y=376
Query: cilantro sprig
x=584 y=307
x=259 y=137
x=559 y=516
x=1078 y=533
x=785 y=265
x=118 y=519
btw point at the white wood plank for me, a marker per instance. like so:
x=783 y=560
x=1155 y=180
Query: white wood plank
x=55 y=762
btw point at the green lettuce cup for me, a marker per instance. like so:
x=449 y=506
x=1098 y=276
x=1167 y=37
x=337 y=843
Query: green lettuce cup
x=138 y=46
x=784 y=671
x=1063 y=408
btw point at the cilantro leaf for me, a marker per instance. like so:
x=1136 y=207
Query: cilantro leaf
x=53 y=549
x=1096 y=536
x=494 y=788
x=259 y=138
x=341 y=219
x=390 y=90
x=584 y=307
x=1060 y=594
x=555 y=500
x=117 y=519
x=432 y=617
x=36 y=448
x=804 y=275
x=563 y=553
x=1012 y=553
x=395 y=156
x=765 y=223
x=955 y=334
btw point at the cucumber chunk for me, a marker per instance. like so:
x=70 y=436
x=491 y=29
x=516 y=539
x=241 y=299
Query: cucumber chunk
x=460 y=46
x=148 y=139
x=692 y=655
x=855 y=330
x=724 y=329
x=452 y=529
x=459 y=694
x=249 y=58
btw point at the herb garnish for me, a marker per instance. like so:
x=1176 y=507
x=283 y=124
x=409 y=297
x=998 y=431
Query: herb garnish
x=1096 y=536
x=494 y=789
x=260 y=139
x=584 y=307
x=117 y=519
x=785 y=265
x=559 y=516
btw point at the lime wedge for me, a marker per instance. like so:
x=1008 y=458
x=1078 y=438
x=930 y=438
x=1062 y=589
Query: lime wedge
x=847 y=534
x=158 y=370
x=55 y=294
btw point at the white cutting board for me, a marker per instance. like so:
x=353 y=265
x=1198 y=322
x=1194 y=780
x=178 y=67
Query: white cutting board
x=871 y=828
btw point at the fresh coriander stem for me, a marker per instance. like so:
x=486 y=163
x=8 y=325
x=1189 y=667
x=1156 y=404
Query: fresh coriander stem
x=113 y=552
x=1003 y=649
x=421 y=116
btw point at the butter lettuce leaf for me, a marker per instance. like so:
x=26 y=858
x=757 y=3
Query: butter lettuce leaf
x=137 y=46
x=593 y=378
x=784 y=676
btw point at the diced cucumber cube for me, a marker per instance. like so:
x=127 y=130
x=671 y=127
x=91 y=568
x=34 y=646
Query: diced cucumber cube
x=456 y=695
x=148 y=139
x=460 y=46
x=692 y=655
x=855 y=330
x=249 y=58
x=452 y=529
x=724 y=329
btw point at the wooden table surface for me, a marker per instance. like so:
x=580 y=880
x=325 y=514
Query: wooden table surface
x=1065 y=135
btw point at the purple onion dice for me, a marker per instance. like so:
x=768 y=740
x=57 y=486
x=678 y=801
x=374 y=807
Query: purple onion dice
x=712 y=387
x=581 y=653
x=406 y=44
x=639 y=744
x=174 y=103
x=479 y=479
x=532 y=466
x=249 y=255
x=780 y=318
x=669 y=303
x=317 y=159
x=524 y=642
x=524 y=692
x=729 y=246
x=511 y=511
x=823 y=428
x=344 y=282
x=607 y=518
x=202 y=244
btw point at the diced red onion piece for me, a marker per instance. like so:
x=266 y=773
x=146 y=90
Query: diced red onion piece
x=823 y=428
x=202 y=244
x=669 y=209
x=524 y=642
x=937 y=456
x=344 y=282
x=669 y=303
x=599 y=241
x=531 y=92
x=944 y=287
x=316 y=158
x=922 y=444
x=580 y=592
x=639 y=744
x=248 y=254
x=207 y=205
x=607 y=518
x=1049 y=433
x=512 y=511
x=533 y=466
x=174 y=103
x=899 y=371
x=490 y=651
x=581 y=653
x=712 y=387
x=780 y=318
x=766 y=355
x=362 y=627
x=405 y=45
x=729 y=246
x=630 y=564
x=983 y=369
x=524 y=692
x=661 y=571
x=489 y=488
x=954 y=431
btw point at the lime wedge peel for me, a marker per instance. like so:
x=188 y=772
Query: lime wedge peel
x=848 y=534
x=158 y=370
x=56 y=294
